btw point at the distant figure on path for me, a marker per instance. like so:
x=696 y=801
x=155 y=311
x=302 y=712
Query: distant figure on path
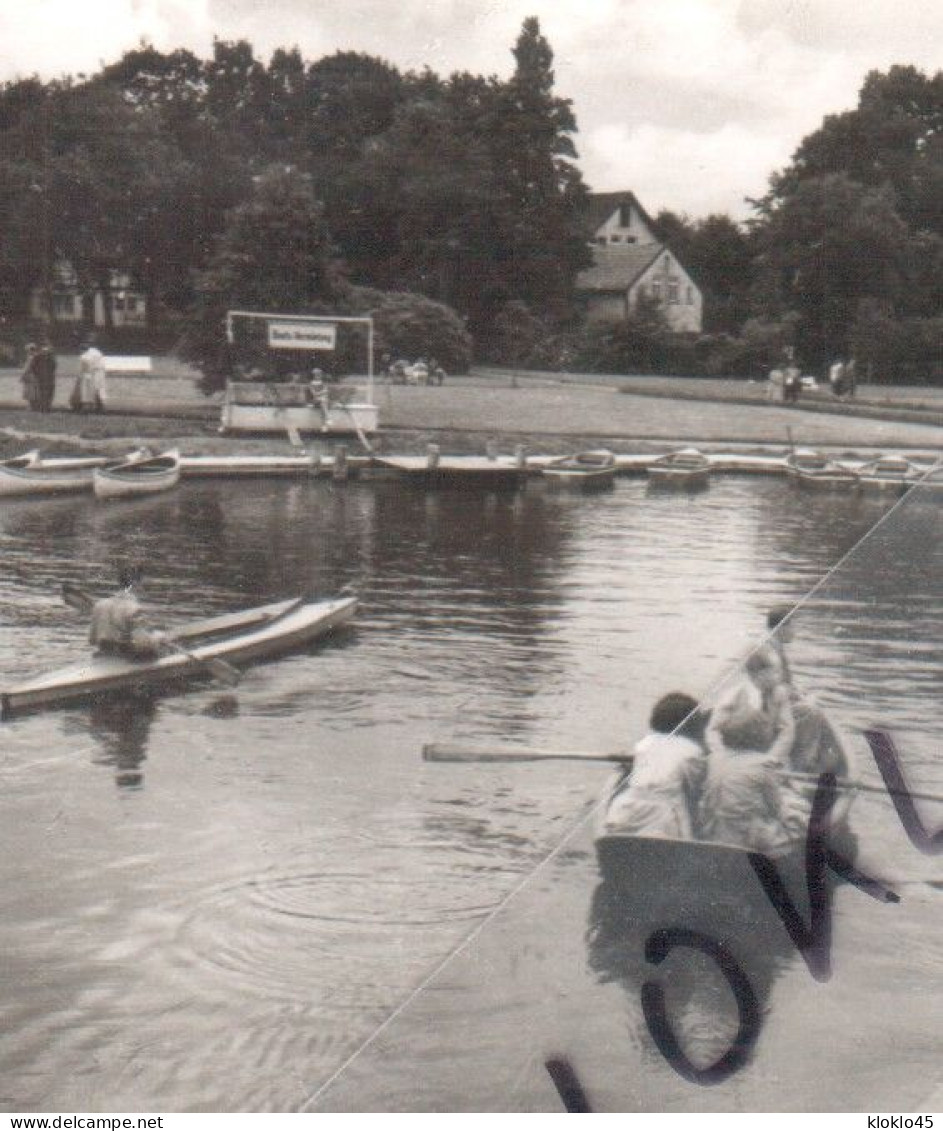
x=116 y=628
x=30 y=379
x=45 y=370
x=836 y=377
x=851 y=377
x=775 y=387
x=92 y=383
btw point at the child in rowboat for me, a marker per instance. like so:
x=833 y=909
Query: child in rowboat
x=658 y=796
x=116 y=628
x=750 y=735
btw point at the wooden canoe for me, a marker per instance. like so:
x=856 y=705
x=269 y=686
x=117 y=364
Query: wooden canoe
x=687 y=468
x=584 y=470
x=137 y=476
x=31 y=474
x=254 y=634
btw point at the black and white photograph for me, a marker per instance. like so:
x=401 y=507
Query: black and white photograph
x=471 y=558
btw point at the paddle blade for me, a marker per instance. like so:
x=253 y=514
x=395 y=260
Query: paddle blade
x=224 y=672
x=77 y=598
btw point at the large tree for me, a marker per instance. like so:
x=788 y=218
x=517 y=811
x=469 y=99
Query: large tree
x=827 y=247
x=275 y=255
x=531 y=140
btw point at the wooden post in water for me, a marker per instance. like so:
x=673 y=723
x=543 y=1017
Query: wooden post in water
x=432 y=456
x=340 y=464
x=520 y=457
x=491 y=449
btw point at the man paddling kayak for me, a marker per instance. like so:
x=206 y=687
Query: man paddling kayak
x=116 y=628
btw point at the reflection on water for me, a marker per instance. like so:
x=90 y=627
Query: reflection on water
x=232 y=923
x=705 y=1013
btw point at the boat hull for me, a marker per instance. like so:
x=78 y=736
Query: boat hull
x=691 y=881
x=826 y=480
x=586 y=471
x=48 y=476
x=674 y=477
x=137 y=477
x=249 y=636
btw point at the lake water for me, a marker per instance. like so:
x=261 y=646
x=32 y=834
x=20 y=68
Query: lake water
x=213 y=902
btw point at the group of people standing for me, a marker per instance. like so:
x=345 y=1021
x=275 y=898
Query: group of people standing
x=89 y=393
x=741 y=772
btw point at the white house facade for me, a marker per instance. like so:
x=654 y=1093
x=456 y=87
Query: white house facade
x=631 y=264
x=128 y=306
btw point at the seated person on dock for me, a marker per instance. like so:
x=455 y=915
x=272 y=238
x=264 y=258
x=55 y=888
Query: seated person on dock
x=658 y=796
x=749 y=739
x=116 y=628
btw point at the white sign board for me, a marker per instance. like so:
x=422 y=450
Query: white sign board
x=302 y=336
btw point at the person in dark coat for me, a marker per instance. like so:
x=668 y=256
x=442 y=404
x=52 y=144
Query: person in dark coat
x=28 y=378
x=44 y=369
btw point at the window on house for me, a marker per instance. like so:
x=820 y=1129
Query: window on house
x=601 y=239
x=673 y=291
x=63 y=306
x=625 y=216
x=656 y=289
x=615 y=239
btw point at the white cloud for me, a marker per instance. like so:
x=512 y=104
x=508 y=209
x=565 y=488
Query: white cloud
x=732 y=85
x=681 y=170
x=57 y=37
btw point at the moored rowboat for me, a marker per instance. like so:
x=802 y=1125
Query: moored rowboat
x=136 y=476
x=30 y=474
x=686 y=468
x=253 y=634
x=809 y=468
x=889 y=473
x=584 y=470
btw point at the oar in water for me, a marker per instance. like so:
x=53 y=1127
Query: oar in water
x=78 y=599
x=439 y=752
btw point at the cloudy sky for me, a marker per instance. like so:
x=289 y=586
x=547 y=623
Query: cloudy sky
x=690 y=103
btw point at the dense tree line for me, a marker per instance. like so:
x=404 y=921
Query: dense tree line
x=463 y=189
x=338 y=183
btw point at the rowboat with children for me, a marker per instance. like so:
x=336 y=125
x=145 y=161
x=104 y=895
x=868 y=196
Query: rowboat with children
x=242 y=637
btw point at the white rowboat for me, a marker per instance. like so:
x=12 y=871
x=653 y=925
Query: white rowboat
x=137 y=476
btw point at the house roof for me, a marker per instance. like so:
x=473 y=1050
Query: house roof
x=617 y=266
x=601 y=206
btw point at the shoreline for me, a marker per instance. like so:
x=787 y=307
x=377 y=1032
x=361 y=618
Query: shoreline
x=550 y=414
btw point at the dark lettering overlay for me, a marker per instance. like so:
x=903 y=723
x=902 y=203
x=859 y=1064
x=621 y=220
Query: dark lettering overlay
x=813 y=941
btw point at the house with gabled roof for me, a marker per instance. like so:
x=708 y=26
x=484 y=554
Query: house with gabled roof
x=632 y=264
